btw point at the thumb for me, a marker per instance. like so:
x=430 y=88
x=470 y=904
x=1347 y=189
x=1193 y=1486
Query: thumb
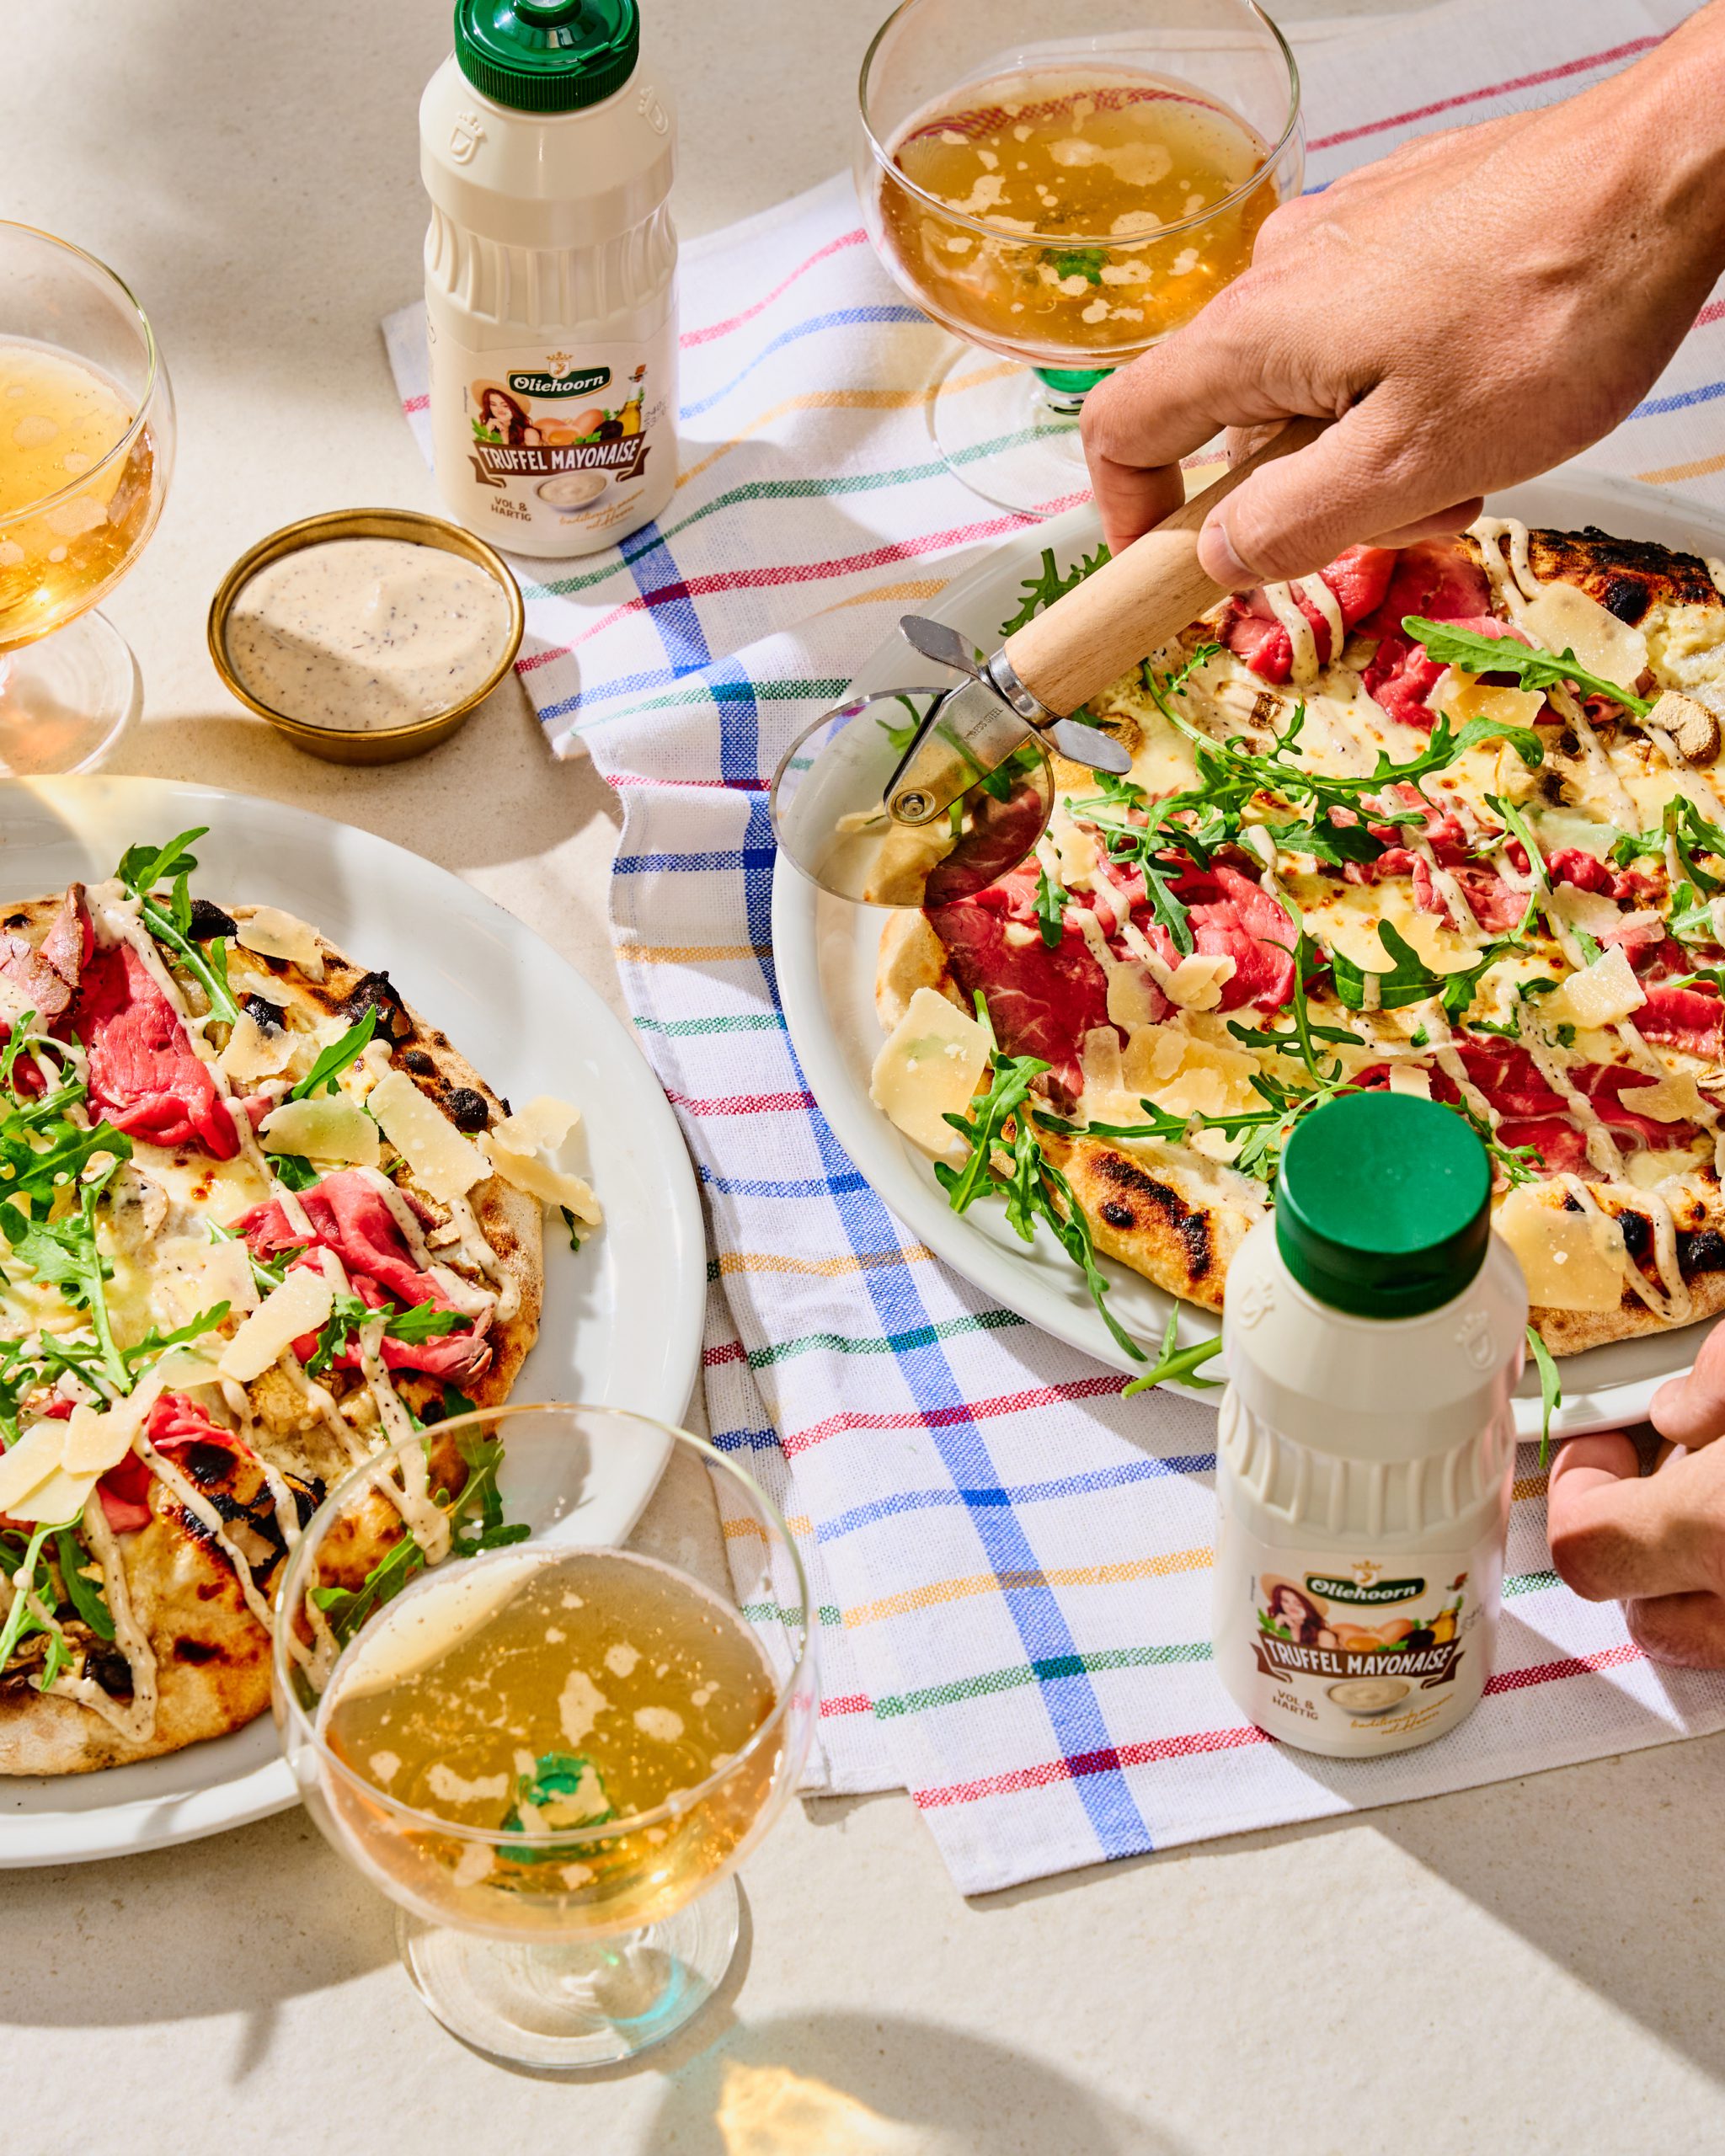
x=1368 y=475
x=1691 y=1410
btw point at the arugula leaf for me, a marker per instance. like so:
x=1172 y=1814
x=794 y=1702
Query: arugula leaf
x=21 y=1619
x=295 y=1169
x=155 y=1344
x=1325 y=840
x=142 y=869
x=1518 y=827
x=14 y=1047
x=483 y=1457
x=35 y=1176
x=424 y=1321
x=1688 y=832
x=573 y=1226
x=900 y=737
x=335 y=1059
x=83 y=1594
x=347 y=1315
x=1086 y=262
x=1690 y=917
x=1551 y=1388
x=1175 y=1364
x=1051 y=902
x=1409 y=979
x=1451 y=645
x=64 y=1253
x=347 y=1608
x=1279 y=770
x=1033 y=1188
x=1051 y=583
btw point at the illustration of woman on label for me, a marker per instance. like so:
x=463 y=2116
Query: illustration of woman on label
x=502 y=419
x=1292 y=1614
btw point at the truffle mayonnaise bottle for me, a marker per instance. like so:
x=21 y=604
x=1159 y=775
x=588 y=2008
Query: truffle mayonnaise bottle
x=1373 y=1330
x=550 y=275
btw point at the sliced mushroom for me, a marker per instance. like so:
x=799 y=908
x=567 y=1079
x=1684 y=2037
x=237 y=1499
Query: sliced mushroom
x=1693 y=728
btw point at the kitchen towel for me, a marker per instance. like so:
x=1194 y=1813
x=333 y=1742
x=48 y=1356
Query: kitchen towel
x=1012 y=1562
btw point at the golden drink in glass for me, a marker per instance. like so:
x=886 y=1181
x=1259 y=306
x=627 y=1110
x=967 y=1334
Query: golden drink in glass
x=552 y=1751
x=86 y=448
x=1066 y=186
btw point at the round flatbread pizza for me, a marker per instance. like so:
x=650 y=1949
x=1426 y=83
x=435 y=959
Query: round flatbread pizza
x=1447 y=819
x=259 y=1219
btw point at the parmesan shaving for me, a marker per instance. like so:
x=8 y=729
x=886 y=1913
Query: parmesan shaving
x=274 y=934
x=442 y=1160
x=301 y=1304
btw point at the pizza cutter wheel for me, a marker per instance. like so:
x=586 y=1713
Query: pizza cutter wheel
x=917 y=797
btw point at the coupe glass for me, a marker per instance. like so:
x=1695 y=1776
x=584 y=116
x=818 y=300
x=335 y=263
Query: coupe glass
x=592 y=1957
x=1010 y=432
x=86 y=449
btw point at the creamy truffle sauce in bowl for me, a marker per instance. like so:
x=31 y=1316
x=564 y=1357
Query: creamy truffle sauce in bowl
x=366 y=635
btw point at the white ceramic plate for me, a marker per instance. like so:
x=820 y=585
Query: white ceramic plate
x=623 y=1319
x=825 y=952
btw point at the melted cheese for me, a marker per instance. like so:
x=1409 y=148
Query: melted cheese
x=443 y=1161
x=1186 y=1076
x=193 y=1275
x=301 y=1304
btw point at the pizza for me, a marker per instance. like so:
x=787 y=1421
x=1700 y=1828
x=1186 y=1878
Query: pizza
x=259 y=1219
x=1446 y=819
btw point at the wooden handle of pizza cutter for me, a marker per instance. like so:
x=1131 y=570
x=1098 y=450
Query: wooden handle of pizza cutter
x=1136 y=602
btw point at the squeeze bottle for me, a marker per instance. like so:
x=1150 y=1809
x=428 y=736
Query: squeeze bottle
x=546 y=150
x=1373 y=1332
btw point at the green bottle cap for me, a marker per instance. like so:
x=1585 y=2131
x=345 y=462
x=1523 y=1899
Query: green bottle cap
x=1383 y=1207
x=547 y=55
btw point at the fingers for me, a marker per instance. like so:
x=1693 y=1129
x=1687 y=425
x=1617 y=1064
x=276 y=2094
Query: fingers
x=1688 y=1629
x=1443 y=524
x=1690 y=1410
x=1370 y=474
x=1171 y=401
x=1131 y=501
x=1618 y=1536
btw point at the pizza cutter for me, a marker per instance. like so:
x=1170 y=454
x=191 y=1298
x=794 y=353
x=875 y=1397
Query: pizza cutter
x=917 y=797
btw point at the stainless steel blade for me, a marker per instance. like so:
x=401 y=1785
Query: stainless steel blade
x=1089 y=744
x=940 y=642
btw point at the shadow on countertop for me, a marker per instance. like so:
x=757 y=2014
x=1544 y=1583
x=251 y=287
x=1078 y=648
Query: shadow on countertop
x=887 y=2085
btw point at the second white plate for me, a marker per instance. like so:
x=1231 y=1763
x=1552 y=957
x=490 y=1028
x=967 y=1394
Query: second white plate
x=622 y=1317
x=825 y=952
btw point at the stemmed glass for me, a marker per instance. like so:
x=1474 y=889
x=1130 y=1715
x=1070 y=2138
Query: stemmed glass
x=87 y=432
x=1183 y=115
x=537 y=1924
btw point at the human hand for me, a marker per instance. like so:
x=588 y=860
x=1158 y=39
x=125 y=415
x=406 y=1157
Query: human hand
x=1473 y=309
x=1655 y=1542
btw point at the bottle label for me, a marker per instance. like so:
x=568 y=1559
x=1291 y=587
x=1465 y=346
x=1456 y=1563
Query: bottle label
x=574 y=441
x=1353 y=1646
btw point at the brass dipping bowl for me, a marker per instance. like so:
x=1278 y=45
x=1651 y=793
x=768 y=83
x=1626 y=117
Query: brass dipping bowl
x=383 y=744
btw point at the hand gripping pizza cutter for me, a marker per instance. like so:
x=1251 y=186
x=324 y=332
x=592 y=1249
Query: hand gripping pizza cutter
x=917 y=797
